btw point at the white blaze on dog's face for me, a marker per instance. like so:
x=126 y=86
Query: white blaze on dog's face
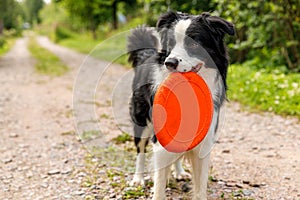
x=179 y=55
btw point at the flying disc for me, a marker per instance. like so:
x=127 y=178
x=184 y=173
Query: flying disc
x=182 y=111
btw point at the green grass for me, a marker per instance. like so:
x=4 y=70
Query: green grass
x=124 y=137
x=46 y=62
x=112 y=49
x=8 y=43
x=82 y=43
x=265 y=90
x=110 y=45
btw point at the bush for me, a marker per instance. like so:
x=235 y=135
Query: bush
x=2 y=42
x=62 y=33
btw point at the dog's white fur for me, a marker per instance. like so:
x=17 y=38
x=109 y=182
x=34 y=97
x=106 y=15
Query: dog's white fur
x=179 y=52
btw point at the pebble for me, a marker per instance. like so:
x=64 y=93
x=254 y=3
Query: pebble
x=44 y=185
x=13 y=135
x=230 y=184
x=237 y=194
x=113 y=195
x=247 y=192
x=255 y=185
x=7 y=160
x=79 y=192
x=53 y=172
x=246 y=182
x=66 y=171
x=226 y=151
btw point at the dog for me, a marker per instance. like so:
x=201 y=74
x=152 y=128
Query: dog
x=180 y=42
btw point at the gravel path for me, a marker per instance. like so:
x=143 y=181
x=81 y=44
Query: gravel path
x=41 y=156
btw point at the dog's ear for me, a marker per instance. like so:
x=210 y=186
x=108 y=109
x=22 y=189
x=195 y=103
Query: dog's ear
x=166 y=20
x=219 y=24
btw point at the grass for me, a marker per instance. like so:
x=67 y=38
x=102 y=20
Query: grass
x=110 y=46
x=264 y=90
x=8 y=43
x=46 y=62
x=112 y=49
x=123 y=138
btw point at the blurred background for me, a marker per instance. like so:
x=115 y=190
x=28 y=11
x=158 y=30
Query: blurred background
x=265 y=56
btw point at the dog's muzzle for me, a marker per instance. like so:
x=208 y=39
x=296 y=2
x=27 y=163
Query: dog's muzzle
x=171 y=63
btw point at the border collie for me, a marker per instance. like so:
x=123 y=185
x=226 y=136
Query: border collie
x=180 y=42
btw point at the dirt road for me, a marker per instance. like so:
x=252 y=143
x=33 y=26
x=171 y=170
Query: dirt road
x=42 y=157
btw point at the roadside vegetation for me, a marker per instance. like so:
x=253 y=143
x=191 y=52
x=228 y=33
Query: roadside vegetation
x=262 y=90
x=46 y=62
x=6 y=44
x=16 y=16
x=265 y=60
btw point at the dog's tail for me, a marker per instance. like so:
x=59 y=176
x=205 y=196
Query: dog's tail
x=142 y=44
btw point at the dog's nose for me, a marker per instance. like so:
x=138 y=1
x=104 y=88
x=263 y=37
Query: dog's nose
x=171 y=63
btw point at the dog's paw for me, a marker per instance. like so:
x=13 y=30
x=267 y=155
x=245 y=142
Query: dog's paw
x=182 y=175
x=137 y=180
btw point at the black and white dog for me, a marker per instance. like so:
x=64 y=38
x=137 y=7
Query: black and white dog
x=180 y=42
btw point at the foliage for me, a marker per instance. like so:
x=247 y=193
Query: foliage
x=2 y=42
x=46 y=62
x=261 y=90
x=32 y=8
x=62 y=33
x=95 y=12
x=11 y=14
x=6 y=42
x=154 y=9
x=266 y=30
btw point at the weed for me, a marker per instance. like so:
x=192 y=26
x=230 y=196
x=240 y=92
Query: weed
x=123 y=138
x=133 y=193
x=104 y=116
x=88 y=135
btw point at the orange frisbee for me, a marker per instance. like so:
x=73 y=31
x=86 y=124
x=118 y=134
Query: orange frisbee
x=182 y=111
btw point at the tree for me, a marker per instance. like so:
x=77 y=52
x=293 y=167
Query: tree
x=33 y=8
x=267 y=31
x=10 y=15
x=94 y=12
x=90 y=13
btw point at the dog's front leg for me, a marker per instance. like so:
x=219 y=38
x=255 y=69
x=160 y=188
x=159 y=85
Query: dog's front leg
x=160 y=182
x=162 y=162
x=200 y=176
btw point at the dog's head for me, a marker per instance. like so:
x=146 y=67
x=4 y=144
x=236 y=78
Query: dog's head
x=189 y=39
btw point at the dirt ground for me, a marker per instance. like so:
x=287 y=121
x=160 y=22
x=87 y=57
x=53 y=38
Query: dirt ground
x=47 y=128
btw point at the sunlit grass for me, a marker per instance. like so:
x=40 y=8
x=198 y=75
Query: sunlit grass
x=268 y=91
x=46 y=62
x=8 y=44
x=112 y=49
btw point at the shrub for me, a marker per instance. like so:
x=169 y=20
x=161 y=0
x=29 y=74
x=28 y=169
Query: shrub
x=2 y=42
x=62 y=33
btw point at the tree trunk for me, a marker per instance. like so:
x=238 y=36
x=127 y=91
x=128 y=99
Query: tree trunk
x=1 y=26
x=115 y=19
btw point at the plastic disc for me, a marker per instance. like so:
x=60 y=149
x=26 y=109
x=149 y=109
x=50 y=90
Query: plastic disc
x=182 y=111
